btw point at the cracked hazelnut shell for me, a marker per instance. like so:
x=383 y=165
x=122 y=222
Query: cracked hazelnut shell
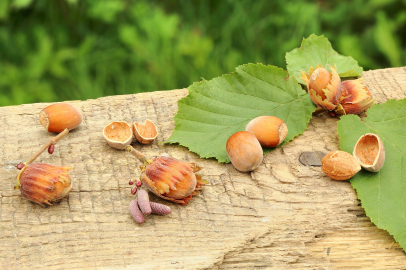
x=145 y=133
x=118 y=134
x=370 y=152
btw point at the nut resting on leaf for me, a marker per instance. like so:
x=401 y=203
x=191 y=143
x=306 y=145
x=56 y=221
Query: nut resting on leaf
x=323 y=86
x=355 y=98
x=145 y=133
x=269 y=130
x=59 y=116
x=370 y=152
x=118 y=134
x=340 y=165
x=169 y=178
x=244 y=151
x=44 y=183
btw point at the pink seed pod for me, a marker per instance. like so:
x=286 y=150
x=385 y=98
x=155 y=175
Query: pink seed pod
x=20 y=166
x=138 y=183
x=159 y=209
x=135 y=212
x=131 y=182
x=133 y=191
x=51 y=149
x=143 y=202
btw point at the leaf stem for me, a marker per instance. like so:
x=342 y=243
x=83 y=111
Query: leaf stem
x=51 y=141
x=140 y=156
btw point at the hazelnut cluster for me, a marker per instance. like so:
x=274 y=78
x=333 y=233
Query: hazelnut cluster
x=244 y=148
x=166 y=177
x=368 y=153
x=46 y=183
x=328 y=92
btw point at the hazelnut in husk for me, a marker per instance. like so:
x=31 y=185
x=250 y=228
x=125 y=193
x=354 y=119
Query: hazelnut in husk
x=323 y=86
x=370 y=152
x=355 y=98
x=172 y=179
x=44 y=183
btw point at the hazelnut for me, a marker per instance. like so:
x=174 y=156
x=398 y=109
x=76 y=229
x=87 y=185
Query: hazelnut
x=340 y=165
x=59 y=116
x=370 y=152
x=323 y=86
x=244 y=151
x=269 y=130
x=145 y=133
x=355 y=97
x=118 y=134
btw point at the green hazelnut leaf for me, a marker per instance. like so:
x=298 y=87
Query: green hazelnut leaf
x=318 y=50
x=216 y=109
x=382 y=194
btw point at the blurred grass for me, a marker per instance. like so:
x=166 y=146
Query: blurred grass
x=80 y=49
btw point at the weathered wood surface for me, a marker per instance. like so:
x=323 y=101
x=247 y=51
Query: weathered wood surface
x=283 y=215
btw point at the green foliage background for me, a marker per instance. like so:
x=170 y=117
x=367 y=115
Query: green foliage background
x=79 y=49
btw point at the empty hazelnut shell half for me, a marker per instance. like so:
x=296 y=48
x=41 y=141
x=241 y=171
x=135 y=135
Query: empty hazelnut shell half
x=370 y=152
x=145 y=133
x=59 y=116
x=118 y=134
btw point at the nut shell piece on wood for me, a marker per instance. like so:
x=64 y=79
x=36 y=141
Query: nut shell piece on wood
x=340 y=165
x=370 y=152
x=59 y=116
x=145 y=133
x=118 y=134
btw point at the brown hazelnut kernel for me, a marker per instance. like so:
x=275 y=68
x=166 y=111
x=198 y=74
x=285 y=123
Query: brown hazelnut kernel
x=340 y=165
x=59 y=116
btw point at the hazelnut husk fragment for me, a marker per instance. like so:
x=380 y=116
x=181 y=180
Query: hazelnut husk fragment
x=340 y=165
x=60 y=116
x=270 y=131
x=145 y=133
x=370 y=152
x=118 y=134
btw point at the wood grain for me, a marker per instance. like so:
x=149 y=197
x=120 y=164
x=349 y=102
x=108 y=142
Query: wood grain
x=284 y=215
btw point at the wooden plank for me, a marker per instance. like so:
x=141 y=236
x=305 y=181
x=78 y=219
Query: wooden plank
x=282 y=215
